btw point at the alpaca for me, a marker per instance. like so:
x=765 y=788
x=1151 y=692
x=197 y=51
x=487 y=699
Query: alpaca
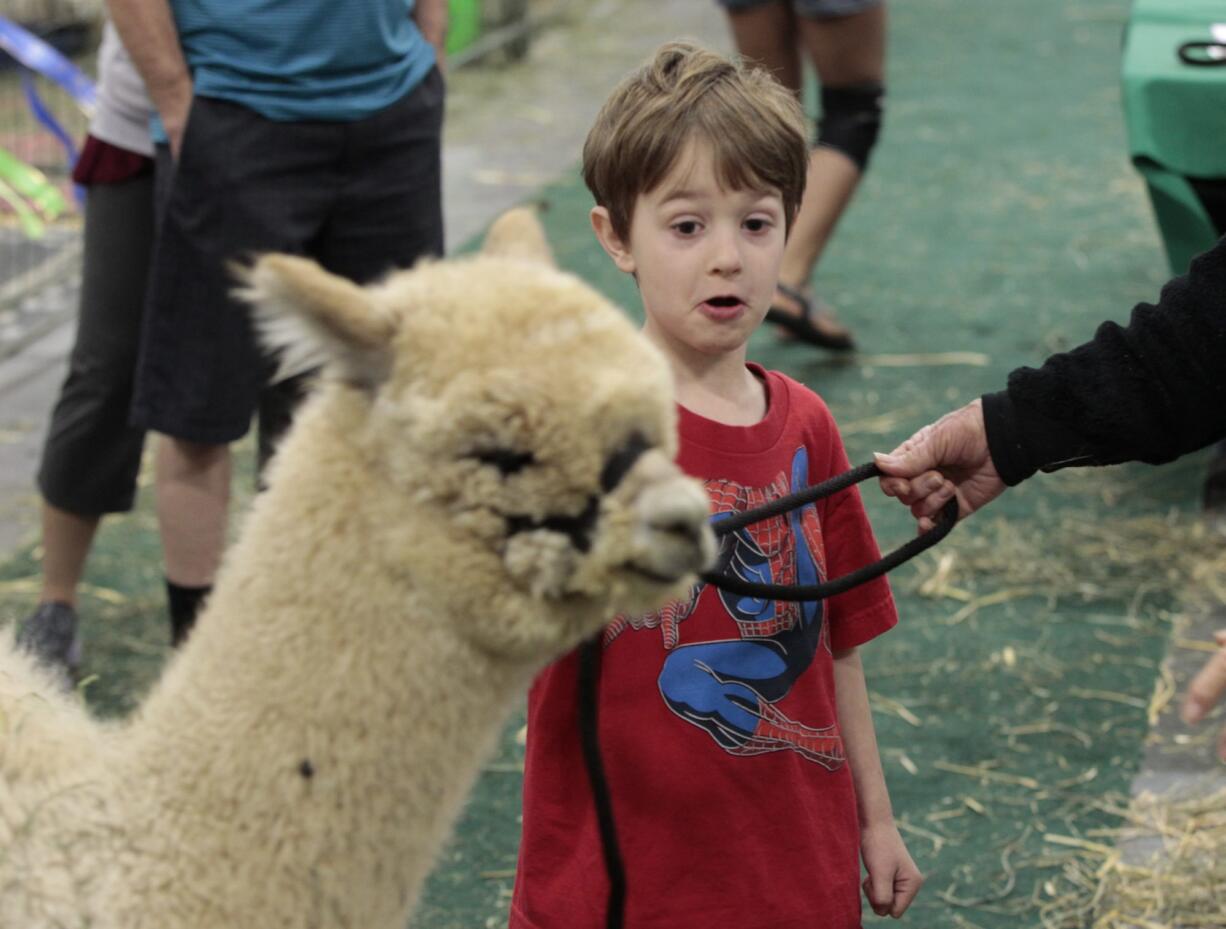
x=482 y=478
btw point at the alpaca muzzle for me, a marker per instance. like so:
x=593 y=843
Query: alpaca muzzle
x=673 y=536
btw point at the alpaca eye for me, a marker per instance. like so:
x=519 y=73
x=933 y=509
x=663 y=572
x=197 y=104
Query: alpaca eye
x=618 y=464
x=506 y=460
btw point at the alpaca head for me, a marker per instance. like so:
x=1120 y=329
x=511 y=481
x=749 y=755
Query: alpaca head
x=515 y=435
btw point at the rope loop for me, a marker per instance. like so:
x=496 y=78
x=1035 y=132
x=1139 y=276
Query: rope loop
x=725 y=525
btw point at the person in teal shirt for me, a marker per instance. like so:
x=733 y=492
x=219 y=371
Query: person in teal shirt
x=304 y=126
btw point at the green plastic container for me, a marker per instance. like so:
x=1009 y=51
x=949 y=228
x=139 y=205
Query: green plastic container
x=1176 y=118
x=464 y=24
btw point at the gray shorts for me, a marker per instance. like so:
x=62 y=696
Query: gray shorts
x=810 y=9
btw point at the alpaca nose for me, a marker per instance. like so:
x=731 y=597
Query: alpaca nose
x=681 y=525
x=676 y=536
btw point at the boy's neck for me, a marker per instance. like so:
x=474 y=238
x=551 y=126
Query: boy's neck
x=719 y=388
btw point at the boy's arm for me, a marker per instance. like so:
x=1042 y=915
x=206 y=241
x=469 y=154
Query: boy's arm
x=893 y=879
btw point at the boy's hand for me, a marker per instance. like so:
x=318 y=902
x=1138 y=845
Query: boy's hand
x=893 y=879
x=1207 y=689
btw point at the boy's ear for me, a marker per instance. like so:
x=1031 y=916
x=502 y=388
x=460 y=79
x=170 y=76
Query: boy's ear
x=619 y=251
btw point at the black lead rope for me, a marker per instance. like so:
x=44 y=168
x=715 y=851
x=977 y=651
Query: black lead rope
x=589 y=674
x=835 y=586
x=590 y=651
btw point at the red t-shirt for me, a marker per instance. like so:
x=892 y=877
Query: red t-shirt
x=733 y=802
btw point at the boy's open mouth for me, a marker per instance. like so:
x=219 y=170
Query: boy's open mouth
x=724 y=301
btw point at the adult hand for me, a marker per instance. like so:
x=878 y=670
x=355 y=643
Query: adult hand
x=431 y=17
x=893 y=879
x=1206 y=689
x=945 y=458
x=174 y=108
x=148 y=32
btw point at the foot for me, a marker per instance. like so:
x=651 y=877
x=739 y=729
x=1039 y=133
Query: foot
x=51 y=636
x=805 y=317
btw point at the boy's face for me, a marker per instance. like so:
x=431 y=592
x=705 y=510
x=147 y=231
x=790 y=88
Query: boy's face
x=706 y=259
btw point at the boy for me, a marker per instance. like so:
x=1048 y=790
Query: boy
x=738 y=743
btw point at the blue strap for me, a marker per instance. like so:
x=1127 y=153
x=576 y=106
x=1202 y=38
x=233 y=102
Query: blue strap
x=37 y=57
x=32 y=52
x=45 y=116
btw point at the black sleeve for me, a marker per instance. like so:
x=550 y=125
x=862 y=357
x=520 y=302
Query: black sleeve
x=1151 y=391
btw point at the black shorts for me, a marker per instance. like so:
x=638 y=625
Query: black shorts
x=361 y=198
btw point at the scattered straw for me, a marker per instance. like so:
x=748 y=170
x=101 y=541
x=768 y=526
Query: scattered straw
x=984 y=773
x=1109 y=560
x=1167 y=869
x=1095 y=860
x=921 y=360
x=887 y=705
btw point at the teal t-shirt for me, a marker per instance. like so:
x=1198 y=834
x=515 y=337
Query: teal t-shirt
x=335 y=60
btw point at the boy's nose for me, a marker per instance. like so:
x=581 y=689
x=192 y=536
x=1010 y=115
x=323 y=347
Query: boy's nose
x=725 y=254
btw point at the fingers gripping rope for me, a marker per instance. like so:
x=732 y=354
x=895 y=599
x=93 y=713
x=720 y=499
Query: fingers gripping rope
x=904 y=553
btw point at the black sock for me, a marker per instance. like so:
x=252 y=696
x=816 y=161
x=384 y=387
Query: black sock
x=184 y=605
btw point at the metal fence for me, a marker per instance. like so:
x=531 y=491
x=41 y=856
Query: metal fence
x=40 y=252
x=39 y=215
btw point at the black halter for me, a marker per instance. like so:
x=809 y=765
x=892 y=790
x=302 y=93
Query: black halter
x=590 y=651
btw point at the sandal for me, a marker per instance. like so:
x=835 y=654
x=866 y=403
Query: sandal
x=801 y=326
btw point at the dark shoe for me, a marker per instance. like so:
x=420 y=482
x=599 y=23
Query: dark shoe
x=805 y=325
x=50 y=635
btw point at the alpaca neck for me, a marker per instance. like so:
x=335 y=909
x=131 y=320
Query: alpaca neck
x=322 y=720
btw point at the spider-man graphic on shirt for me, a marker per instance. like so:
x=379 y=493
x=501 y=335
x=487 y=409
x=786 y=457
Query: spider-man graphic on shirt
x=718 y=726
x=731 y=688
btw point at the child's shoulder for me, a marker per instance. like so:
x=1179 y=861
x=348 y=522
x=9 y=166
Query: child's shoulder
x=803 y=401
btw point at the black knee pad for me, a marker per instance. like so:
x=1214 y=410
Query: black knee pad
x=851 y=119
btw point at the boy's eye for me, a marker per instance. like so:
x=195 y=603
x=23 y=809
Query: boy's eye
x=757 y=224
x=686 y=227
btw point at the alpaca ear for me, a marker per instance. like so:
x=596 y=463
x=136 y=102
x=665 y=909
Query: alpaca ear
x=309 y=317
x=518 y=233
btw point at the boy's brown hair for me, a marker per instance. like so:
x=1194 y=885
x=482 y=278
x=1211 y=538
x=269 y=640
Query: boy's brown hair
x=754 y=124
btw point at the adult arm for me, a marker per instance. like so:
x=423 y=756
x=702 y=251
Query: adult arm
x=147 y=29
x=893 y=879
x=431 y=19
x=1151 y=391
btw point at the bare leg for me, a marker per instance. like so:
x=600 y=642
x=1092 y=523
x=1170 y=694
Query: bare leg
x=193 y=497
x=67 y=538
x=846 y=50
x=766 y=36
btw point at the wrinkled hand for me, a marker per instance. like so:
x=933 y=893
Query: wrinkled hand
x=945 y=458
x=893 y=879
x=1206 y=689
